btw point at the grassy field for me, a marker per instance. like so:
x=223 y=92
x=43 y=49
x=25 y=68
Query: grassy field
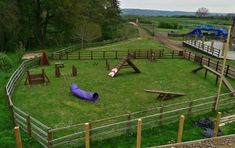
x=132 y=44
x=117 y=96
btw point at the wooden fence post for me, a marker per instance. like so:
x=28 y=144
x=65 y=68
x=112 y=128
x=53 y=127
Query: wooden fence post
x=28 y=125
x=161 y=115
x=173 y=52
x=209 y=61
x=87 y=135
x=49 y=138
x=128 y=124
x=181 y=128
x=18 y=137
x=189 y=56
x=217 y=122
x=227 y=70
x=190 y=109
x=139 y=132
x=217 y=66
x=201 y=60
x=12 y=114
x=91 y=55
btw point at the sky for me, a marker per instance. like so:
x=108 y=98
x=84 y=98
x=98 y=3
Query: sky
x=218 y=6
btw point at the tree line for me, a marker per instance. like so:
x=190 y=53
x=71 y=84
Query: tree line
x=41 y=23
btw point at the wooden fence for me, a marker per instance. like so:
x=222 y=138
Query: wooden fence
x=203 y=47
x=70 y=49
x=116 y=125
x=98 y=55
x=30 y=125
x=210 y=62
x=126 y=123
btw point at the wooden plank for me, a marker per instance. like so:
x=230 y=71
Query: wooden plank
x=164 y=92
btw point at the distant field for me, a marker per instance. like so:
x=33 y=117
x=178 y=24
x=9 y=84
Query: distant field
x=188 y=21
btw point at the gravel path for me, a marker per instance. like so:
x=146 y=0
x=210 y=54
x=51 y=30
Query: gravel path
x=219 y=142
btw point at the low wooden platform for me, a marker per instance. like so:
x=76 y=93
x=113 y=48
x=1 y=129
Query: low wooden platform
x=165 y=95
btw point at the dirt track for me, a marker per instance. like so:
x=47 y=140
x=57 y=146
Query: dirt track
x=172 y=44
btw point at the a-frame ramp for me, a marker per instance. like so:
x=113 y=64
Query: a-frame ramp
x=225 y=81
x=123 y=63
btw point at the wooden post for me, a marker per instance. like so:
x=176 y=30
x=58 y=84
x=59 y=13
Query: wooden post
x=49 y=138
x=139 y=130
x=74 y=71
x=173 y=52
x=206 y=73
x=18 y=137
x=161 y=115
x=28 y=125
x=217 y=122
x=217 y=66
x=222 y=70
x=208 y=64
x=201 y=60
x=12 y=114
x=128 y=124
x=212 y=45
x=91 y=55
x=190 y=109
x=87 y=135
x=189 y=56
x=203 y=42
x=180 y=130
x=227 y=70
x=57 y=72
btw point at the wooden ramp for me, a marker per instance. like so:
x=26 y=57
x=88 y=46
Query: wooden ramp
x=123 y=63
x=165 y=95
x=228 y=85
x=225 y=81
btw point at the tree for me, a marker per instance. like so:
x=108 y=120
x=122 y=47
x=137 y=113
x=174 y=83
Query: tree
x=202 y=12
x=8 y=24
x=87 y=31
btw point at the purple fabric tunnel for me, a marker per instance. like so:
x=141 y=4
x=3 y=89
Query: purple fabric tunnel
x=93 y=97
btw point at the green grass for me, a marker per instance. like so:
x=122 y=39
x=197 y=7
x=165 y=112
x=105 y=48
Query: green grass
x=132 y=44
x=117 y=96
x=6 y=126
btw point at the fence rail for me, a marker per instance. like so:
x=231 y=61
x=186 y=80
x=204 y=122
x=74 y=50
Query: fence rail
x=30 y=125
x=210 y=62
x=126 y=123
x=203 y=47
x=138 y=54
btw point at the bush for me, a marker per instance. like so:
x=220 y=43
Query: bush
x=6 y=63
x=168 y=25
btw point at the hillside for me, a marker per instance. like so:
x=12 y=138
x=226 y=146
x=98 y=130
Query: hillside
x=145 y=12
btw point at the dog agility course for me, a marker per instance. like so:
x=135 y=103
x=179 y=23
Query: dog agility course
x=56 y=116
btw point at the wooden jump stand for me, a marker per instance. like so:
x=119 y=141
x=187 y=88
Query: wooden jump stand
x=165 y=95
x=124 y=63
x=152 y=56
x=58 y=73
x=36 y=78
x=225 y=81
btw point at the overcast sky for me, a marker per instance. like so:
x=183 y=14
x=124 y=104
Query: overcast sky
x=219 y=6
